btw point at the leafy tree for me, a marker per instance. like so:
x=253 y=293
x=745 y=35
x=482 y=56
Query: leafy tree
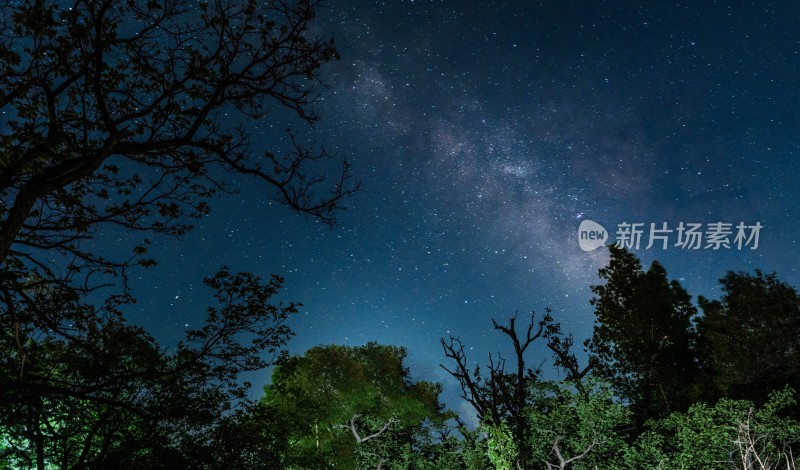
x=733 y=434
x=752 y=336
x=445 y=447
x=344 y=406
x=501 y=449
x=110 y=396
x=119 y=118
x=576 y=429
x=244 y=439
x=644 y=341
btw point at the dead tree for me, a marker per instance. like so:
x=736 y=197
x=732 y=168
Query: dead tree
x=502 y=396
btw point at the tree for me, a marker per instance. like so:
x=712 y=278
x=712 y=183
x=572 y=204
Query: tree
x=576 y=428
x=644 y=341
x=123 y=117
x=110 y=396
x=752 y=336
x=448 y=447
x=344 y=406
x=501 y=398
x=127 y=114
x=121 y=112
x=501 y=448
x=733 y=434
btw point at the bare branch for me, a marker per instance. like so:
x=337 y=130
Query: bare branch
x=562 y=462
x=359 y=439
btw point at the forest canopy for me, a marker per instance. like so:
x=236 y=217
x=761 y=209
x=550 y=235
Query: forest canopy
x=130 y=116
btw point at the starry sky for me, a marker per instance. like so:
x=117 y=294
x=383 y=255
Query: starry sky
x=483 y=134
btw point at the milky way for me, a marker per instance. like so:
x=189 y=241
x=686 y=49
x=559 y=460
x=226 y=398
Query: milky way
x=484 y=135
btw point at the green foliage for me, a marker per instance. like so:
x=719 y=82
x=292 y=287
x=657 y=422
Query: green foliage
x=752 y=336
x=589 y=424
x=440 y=448
x=329 y=391
x=501 y=449
x=643 y=340
x=720 y=437
x=390 y=450
x=99 y=392
x=244 y=439
x=500 y=394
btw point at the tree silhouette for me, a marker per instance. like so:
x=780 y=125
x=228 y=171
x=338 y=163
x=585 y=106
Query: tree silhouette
x=752 y=336
x=501 y=396
x=99 y=392
x=130 y=114
x=644 y=340
x=125 y=117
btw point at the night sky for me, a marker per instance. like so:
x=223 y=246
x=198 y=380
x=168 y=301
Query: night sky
x=483 y=134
